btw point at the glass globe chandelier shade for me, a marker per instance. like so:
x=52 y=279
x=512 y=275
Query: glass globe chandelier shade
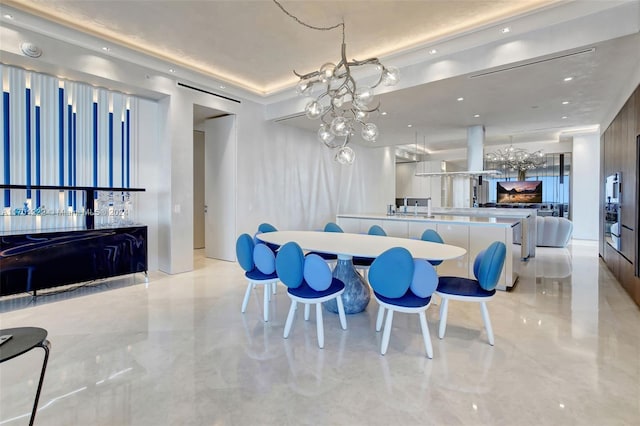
x=369 y=132
x=345 y=155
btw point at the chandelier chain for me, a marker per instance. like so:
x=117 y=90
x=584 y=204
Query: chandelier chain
x=313 y=27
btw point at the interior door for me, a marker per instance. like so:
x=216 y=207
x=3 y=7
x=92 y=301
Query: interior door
x=220 y=187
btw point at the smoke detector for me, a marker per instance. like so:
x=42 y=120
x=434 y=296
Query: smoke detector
x=30 y=50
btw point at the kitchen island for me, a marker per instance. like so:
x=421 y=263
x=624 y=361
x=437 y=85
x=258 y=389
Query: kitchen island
x=471 y=229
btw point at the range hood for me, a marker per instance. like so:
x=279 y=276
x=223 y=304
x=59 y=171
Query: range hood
x=475 y=144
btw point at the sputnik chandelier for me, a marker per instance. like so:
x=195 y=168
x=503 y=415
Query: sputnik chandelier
x=517 y=159
x=342 y=105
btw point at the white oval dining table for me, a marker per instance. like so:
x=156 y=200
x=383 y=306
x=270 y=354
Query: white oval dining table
x=347 y=245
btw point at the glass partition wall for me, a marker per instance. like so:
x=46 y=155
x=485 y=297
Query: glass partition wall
x=554 y=177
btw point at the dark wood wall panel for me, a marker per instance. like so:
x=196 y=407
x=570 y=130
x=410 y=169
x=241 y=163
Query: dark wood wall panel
x=620 y=154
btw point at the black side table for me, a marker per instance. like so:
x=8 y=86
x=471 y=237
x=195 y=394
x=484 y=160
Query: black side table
x=23 y=340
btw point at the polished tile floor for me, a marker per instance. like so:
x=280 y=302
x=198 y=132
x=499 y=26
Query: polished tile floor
x=179 y=352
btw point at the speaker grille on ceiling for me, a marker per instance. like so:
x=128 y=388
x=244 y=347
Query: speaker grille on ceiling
x=540 y=61
x=197 y=89
x=289 y=117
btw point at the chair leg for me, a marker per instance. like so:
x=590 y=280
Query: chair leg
x=444 y=310
x=246 y=297
x=319 y=325
x=307 y=308
x=289 y=322
x=343 y=317
x=487 y=321
x=380 y=318
x=267 y=298
x=275 y=287
x=425 y=334
x=387 y=332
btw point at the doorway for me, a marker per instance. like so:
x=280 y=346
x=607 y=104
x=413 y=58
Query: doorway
x=214 y=187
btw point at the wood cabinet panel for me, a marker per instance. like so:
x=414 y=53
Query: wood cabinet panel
x=611 y=258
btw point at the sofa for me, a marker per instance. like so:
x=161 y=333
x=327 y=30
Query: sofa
x=551 y=232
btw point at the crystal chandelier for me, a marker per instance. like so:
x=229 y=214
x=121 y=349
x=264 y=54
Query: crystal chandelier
x=343 y=106
x=517 y=159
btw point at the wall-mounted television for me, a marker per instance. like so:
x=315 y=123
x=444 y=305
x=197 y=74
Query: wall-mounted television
x=519 y=191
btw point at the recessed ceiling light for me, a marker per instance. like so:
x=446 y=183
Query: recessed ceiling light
x=564 y=117
x=223 y=87
x=172 y=70
x=476 y=115
x=565 y=102
x=568 y=78
x=409 y=125
x=505 y=30
x=106 y=49
x=460 y=99
x=383 y=113
x=7 y=16
x=433 y=51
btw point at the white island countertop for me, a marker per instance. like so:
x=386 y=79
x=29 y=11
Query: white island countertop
x=439 y=217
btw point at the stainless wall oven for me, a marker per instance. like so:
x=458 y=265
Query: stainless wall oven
x=612 y=225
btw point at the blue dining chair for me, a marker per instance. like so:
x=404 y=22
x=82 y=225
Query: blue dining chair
x=487 y=268
x=329 y=257
x=364 y=263
x=402 y=284
x=267 y=227
x=432 y=236
x=309 y=281
x=258 y=262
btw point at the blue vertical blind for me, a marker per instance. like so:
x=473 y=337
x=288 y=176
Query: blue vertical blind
x=59 y=132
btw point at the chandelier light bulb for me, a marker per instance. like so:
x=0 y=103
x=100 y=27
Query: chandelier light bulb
x=325 y=136
x=363 y=96
x=303 y=87
x=327 y=72
x=338 y=101
x=390 y=76
x=313 y=110
x=361 y=115
x=340 y=126
x=370 y=132
x=345 y=155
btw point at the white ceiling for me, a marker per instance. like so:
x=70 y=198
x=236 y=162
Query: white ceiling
x=514 y=82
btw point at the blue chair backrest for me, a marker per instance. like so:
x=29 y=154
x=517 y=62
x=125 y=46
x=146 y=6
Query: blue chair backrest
x=266 y=227
x=431 y=235
x=332 y=227
x=391 y=273
x=488 y=264
x=244 y=252
x=425 y=278
x=377 y=230
x=290 y=265
x=317 y=273
x=264 y=259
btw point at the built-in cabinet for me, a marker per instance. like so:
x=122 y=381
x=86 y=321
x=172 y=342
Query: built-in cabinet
x=620 y=154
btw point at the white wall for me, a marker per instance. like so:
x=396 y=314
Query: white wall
x=147 y=206
x=585 y=190
x=410 y=185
